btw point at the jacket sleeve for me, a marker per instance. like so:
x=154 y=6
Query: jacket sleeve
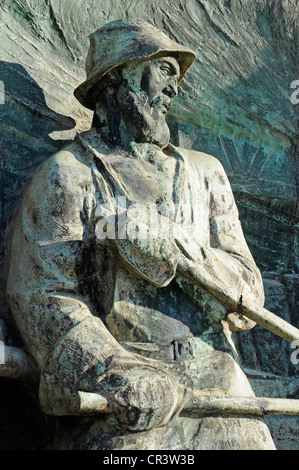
x=228 y=243
x=58 y=324
x=143 y=239
x=225 y=266
x=153 y=258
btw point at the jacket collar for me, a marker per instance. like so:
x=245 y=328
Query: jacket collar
x=92 y=142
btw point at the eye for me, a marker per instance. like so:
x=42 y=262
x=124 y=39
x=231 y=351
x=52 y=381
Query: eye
x=166 y=70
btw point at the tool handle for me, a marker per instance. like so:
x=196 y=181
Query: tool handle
x=271 y=322
x=221 y=404
x=196 y=402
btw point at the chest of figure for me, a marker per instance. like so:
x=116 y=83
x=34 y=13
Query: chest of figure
x=148 y=182
x=171 y=188
x=190 y=215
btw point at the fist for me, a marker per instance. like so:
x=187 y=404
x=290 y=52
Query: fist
x=141 y=398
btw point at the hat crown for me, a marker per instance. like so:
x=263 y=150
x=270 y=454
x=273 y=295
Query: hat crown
x=114 y=28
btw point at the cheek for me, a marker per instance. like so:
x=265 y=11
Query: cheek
x=151 y=85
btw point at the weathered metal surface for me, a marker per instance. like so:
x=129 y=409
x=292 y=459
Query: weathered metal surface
x=236 y=105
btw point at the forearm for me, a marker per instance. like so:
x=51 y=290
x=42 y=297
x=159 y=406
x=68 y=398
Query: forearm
x=227 y=275
x=205 y=275
x=151 y=252
x=88 y=359
x=77 y=363
x=229 y=278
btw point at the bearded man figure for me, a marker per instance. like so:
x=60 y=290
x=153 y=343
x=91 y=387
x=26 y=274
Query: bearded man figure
x=124 y=317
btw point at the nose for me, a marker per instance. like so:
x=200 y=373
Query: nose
x=171 y=90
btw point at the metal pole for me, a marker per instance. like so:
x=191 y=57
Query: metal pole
x=217 y=404
x=271 y=322
x=195 y=402
x=260 y=315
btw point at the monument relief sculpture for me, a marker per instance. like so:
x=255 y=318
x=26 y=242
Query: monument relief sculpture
x=129 y=269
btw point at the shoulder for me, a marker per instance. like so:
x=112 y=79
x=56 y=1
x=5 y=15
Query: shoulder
x=66 y=168
x=205 y=165
x=209 y=169
x=200 y=160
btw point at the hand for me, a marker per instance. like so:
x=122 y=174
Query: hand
x=141 y=398
x=237 y=321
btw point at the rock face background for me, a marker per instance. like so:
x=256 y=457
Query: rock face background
x=235 y=104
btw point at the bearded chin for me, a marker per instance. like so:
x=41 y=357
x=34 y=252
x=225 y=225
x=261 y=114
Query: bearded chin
x=153 y=128
x=145 y=124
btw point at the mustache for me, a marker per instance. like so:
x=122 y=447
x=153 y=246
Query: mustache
x=161 y=101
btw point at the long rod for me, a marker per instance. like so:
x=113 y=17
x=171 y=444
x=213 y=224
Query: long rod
x=195 y=402
x=260 y=315
x=213 y=404
x=271 y=322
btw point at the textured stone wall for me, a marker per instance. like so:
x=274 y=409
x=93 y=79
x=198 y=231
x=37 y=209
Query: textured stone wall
x=235 y=103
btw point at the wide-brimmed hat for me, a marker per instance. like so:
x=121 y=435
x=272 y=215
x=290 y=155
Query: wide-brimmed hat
x=122 y=41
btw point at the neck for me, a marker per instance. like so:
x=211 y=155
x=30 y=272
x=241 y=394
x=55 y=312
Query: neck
x=141 y=151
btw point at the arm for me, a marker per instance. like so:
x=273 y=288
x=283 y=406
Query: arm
x=225 y=266
x=59 y=324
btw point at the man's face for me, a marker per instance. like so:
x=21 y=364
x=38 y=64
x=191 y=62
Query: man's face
x=144 y=98
x=160 y=82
